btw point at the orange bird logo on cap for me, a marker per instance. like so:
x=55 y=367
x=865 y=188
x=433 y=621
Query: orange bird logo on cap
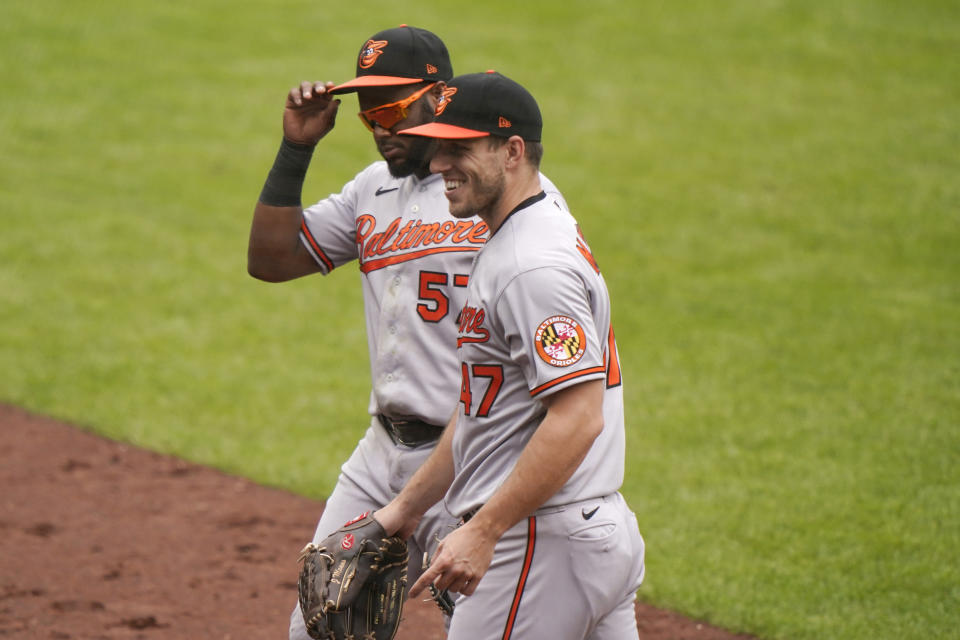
x=370 y=52
x=444 y=100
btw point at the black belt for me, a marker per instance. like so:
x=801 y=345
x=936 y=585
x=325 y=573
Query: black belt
x=410 y=433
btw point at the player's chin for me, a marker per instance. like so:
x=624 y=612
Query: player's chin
x=459 y=209
x=403 y=165
x=407 y=157
x=399 y=169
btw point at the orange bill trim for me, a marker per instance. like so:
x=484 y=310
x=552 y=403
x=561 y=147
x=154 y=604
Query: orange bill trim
x=570 y=376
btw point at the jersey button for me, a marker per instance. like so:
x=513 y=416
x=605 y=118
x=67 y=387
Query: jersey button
x=415 y=208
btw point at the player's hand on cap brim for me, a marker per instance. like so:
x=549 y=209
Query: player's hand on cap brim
x=310 y=112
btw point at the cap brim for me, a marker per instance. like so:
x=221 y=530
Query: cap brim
x=372 y=81
x=440 y=130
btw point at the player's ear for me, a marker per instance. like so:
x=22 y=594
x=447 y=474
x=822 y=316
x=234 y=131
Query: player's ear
x=433 y=96
x=515 y=147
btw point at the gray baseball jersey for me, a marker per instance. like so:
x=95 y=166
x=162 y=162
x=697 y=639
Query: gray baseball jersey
x=415 y=260
x=536 y=320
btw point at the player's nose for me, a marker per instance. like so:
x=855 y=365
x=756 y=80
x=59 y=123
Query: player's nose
x=440 y=162
x=379 y=133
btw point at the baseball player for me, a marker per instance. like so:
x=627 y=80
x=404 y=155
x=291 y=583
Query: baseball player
x=414 y=258
x=533 y=461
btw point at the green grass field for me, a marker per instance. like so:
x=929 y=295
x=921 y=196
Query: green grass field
x=767 y=186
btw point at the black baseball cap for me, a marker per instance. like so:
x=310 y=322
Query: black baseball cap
x=403 y=55
x=477 y=105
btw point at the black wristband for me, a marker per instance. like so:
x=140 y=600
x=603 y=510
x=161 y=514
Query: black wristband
x=285 y=181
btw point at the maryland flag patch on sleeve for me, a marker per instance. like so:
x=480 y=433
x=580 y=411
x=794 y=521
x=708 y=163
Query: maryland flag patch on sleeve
x=560 y=341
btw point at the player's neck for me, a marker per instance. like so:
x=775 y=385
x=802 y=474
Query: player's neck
x=515 y=193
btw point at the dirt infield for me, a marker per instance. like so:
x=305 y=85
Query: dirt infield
x=102 y=540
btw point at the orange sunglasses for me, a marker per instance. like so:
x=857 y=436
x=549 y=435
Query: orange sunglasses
x=388 y=115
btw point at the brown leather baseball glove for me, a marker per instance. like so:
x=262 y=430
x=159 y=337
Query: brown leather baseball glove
x=353 y=583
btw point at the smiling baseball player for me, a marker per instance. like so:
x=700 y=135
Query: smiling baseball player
x=534 y=459
x=393 y=220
